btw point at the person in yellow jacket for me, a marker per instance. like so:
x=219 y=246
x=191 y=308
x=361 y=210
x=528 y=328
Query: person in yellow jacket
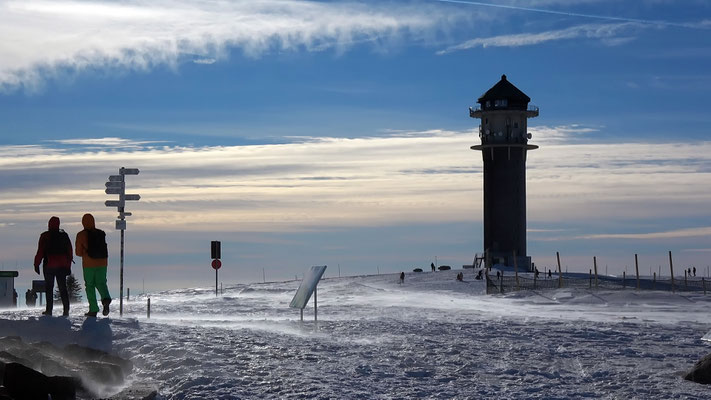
x=91 y=246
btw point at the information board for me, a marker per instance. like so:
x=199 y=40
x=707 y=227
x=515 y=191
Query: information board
x=303 y=294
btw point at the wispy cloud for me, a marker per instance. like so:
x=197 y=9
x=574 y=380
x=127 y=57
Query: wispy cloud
x=107 y=142
x=44 y=37
x=608 y=32
x=320 y=182
x=700 y=25
x=679 y=233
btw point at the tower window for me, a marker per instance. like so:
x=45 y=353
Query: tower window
x=501 y=103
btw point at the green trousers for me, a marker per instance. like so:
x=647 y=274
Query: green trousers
x=95 y=279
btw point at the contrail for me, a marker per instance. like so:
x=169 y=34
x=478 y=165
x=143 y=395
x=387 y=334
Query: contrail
x=573 y=14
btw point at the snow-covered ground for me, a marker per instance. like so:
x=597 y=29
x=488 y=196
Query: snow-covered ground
x=431 y=337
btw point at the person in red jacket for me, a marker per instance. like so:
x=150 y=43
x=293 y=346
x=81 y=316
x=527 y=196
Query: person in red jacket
x=54 y=251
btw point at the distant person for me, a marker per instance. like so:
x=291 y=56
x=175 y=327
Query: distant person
x=54 y=251
x=92 y=248
x=535 y=273
x=460 y=277
x=549 y=274
x=433 y=267
x=402 y=277
x=478 y=276
x=14 y=297
x=30 y=298
x=694 y=271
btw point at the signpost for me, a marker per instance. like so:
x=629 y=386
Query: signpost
x=216 y=254
x=117 y=185
x=307 y=287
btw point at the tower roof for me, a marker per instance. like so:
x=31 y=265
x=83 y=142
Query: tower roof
x=504 y=90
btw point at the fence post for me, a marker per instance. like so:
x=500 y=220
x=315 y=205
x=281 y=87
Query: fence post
x=624 y=278
x=148 y=308
x=595 y=265
x=560 y=273
x=671 y=268
x=501 y=282
x=703 y=282
x=636 y=267
x=654 y=282
x=516 y=270
x=590 y=280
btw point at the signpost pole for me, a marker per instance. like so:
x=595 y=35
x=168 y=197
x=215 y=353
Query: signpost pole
x=121 y=275
x=315 y=304
x=215 y=283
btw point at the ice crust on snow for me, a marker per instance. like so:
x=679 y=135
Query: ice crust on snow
x=431 y=337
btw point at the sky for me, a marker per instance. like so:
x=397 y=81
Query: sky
x=337 y=133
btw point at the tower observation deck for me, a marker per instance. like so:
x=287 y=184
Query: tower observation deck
x=504 y=111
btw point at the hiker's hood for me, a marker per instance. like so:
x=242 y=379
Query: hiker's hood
x=88 y=221
x=53 y=224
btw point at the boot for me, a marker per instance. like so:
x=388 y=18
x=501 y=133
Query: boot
x=66 y=312
x=47 y=312
x=106 y=303
x=90 y=314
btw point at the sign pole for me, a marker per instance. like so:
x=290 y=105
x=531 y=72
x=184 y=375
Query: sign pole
x=215 y=283
x=121 y=276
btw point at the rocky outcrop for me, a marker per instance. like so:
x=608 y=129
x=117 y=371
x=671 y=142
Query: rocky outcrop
x=701 y=372
x=36 y=370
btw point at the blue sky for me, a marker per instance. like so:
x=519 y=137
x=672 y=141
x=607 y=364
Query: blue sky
x=302 y=133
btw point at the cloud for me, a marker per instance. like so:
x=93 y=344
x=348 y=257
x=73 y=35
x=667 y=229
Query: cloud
x=314 y=183
x=674 y=234
x=107 y=142
x=607 y=32
x=44 y=38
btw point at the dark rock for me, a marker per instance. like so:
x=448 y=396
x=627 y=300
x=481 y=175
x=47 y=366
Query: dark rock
x=137 y=391
x=25 y=383
x=701 y=372
x=62 y=387
x=417 y=270
x=444 y=267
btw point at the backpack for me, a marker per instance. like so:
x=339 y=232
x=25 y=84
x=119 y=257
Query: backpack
x=96 y=243
x=57 y=242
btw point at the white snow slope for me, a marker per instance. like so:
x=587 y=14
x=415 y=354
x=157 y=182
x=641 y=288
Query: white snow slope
x=431 y=337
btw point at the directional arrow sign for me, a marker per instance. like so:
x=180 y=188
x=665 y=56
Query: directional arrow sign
x=116 y=178
x=113 y=190
x=114 y=184
x=114 y=203
x=128 y=171
x=125 y=214
x=132 y=197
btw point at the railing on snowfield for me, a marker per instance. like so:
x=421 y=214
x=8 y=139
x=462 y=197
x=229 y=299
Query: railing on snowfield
x=507 y=283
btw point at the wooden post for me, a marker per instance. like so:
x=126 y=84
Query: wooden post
x=488 y=259
x=590 y=280
x=595 y=266
x=654 y=282
x=148 y=308
x=516 y=270
x=636 y=267
x=560 y=273
x=501 y=282
x=671 y=268
x=128 y=294
x=315 y=304
x=624 y=278
x=703 y=283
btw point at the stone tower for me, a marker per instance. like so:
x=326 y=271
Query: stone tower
x=503 y=111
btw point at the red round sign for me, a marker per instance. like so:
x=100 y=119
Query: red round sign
x=216 y=264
